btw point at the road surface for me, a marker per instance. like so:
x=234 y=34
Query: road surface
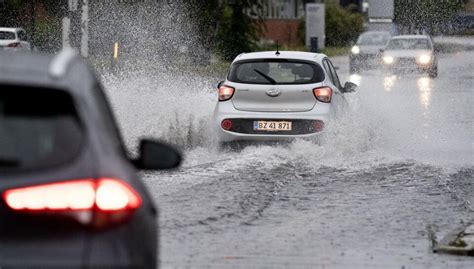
x=393 y=174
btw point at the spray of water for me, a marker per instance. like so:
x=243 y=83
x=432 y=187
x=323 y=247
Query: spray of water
x=158 y=92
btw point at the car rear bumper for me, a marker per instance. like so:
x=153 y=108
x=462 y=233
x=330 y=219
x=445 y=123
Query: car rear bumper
x=300 y=121
x=226 y=136
x=74 y=253
x=55 y=244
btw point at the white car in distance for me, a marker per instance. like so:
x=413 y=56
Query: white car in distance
x=14 y=39
x=278 y=96
x=408 y=53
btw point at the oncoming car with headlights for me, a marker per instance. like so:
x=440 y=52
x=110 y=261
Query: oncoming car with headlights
x=278 y=96
x=410 y=52
x=365 y=52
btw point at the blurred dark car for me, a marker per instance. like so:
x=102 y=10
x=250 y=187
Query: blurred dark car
x=70 y=196
x=364 y=53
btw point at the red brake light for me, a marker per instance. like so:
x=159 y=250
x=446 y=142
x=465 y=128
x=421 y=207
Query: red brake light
x=225 y=93
x=114 y=195
x=323 y=94
x=226 y=124
x=74 y=195
x=104 y=196
x=14 y=45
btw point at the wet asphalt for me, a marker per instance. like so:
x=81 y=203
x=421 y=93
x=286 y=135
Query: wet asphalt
x=392 y=176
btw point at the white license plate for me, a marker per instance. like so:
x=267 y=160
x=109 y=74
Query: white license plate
x=271 y=125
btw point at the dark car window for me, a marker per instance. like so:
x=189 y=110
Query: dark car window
x=337 y=83
x=373 y=38
x=7 y=35
x=22 y=36
x=38 y=128
x=276 y=71
x=109 y=118
x=409 y=44
x=328 y=71
x=332 y=73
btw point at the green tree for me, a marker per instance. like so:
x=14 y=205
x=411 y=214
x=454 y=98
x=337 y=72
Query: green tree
x=224 y=26
x=342 y=25
x=237 y=31
x=40 y=18
x=431 y=16
x=204 y=15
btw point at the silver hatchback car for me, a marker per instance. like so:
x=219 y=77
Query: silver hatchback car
x=408 y=53
x=278 y=96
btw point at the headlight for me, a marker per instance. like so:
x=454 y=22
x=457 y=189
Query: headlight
x=355 y=50
x=424 y=59
x=387 y=59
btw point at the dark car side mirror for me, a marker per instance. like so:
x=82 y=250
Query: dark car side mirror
x=381 y=50
x=156 y=155
x=219 y=84
x=350 y=87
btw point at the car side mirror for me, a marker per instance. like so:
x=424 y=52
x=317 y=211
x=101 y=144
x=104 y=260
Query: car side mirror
x=156 y=155
x=381 y=50
x=219 y=84
x=350 y=87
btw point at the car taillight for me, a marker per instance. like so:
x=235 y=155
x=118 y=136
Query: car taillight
x=318 y=125
x=226 y=124
x=225 y=93
x=91 y=202
x=323 y=94
x=14 y=45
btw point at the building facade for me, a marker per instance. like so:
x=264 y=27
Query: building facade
x=283 y=20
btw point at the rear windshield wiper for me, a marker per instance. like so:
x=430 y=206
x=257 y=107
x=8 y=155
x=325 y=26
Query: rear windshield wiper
x=271 y=80
x=9 y=162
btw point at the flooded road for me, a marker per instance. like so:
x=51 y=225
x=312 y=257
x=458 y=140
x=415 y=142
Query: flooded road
x=390 y=175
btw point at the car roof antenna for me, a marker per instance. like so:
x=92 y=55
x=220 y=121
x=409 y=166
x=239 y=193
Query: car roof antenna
x=277 y=53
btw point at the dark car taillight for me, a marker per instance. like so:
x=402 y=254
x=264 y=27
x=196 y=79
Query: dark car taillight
x=225 y=93
x=323 y=94
x=318 y=125
x=92 y=202
x=14 y=45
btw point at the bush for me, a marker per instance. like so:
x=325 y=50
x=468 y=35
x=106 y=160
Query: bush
x=342 y=25
x=237 y=31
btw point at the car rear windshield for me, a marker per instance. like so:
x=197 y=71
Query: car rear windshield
x=39 y=128
x=376 y=38
x=276 y=71
x=7 y=35
x=409 y=44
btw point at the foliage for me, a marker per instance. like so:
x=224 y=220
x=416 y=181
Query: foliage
x=204 y=14
x=40 y=18
x=335 y=51
x=214 y=20
x=237 y=31
x=431 y=16
x=342 y=25
x=10 y=10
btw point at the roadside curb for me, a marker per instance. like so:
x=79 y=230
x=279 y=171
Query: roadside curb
x=459 y=242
